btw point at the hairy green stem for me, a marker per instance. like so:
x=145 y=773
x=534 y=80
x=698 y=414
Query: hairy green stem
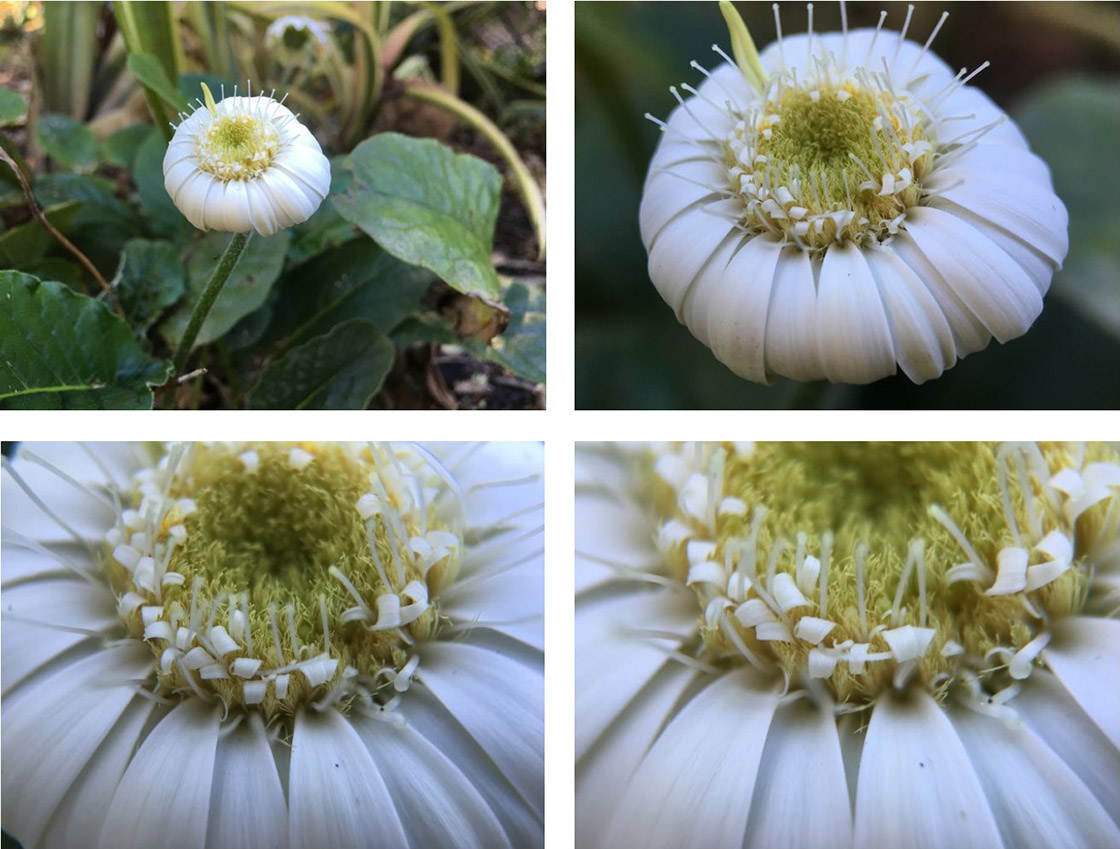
x=209 y=296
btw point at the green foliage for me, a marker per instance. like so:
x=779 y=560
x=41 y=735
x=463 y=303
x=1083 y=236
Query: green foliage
x=163 y=217
x=28 y=243
x=521 y=347
x=149 y=281
x=68 y=142
x=61 y=350
x=148 y=69
x=428 y=206
x=1088 y=279
x=355 y=280
x=121 y=147
x=13 y=107
x=340 y=370
x=309 y=317
x=245 y=290
x=103 y=222
x=69 y=54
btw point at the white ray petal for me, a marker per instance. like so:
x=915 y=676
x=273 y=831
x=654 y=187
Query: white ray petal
x=1085 y=655
x=163 y=799
x=1038 y=801
x=437 y=805
x=52 y=727
x=247 y=807
x=500 y=702
x=336 y=795
x=706 y=761
x=801 y=797
x=916 y=785
x=612 y=664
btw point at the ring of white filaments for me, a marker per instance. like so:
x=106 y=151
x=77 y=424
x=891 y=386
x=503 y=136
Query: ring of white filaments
x=745 y=591
x=213 y=641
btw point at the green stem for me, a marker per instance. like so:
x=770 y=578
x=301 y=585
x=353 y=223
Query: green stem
x=209 y=295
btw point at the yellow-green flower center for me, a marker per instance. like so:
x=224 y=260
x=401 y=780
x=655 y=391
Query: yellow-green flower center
x=237 y=147
x=275 y=574
x=865 y=566
x=820 y=162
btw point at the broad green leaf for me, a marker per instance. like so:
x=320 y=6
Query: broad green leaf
x=13 y=107
x=63 y=270
x=61 y=350
x=163 y=217
x=340 y=370
x=355 y=280
x=245 y=290
x=103 y=223
x=7 y=175
x=427 y=206
x=26 y=244
x=68 y=142
x=149 y=71
x=99 y=205
x=149 y=281
x=121 y=147
x=1088 y=279
x=521 y=347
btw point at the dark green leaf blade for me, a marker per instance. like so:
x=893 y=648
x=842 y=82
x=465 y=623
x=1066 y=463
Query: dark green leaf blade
x=355 y=280
x=60 y=350
x=68 y=142
x=121 y=147
x=427 y=206
x=26 y=244
x=150 y=280
x=149 y=71
x=164 y=218
x=245 y=290
x=340 y=370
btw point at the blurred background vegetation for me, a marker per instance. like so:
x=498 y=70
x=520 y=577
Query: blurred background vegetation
x=1055 y=69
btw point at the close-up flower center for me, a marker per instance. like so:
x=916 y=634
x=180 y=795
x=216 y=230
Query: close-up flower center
x=866 y=566
x=237 y=147
x=835 y=158
x=278 y=574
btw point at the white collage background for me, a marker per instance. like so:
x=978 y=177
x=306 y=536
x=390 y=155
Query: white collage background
x=560 y=427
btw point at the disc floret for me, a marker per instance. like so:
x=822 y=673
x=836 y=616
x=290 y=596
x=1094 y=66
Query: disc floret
x=836 y=156
x=861 y=567
x=275 y=575
x=236 y=144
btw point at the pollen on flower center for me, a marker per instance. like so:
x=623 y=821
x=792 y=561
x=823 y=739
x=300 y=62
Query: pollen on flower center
x=835 y=158
x=275 y=575
x=866 y=566
x=237 y=147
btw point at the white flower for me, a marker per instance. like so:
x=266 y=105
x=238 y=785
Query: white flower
x=843 y=203
x=262 y=646
x=296 y=34
x=810 y=645
x=245 y=163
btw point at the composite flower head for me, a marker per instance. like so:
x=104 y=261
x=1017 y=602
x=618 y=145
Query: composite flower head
x=843 y=205
x=248 y=645
x=245 y=163
x=298 y=38
x=792 y=645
